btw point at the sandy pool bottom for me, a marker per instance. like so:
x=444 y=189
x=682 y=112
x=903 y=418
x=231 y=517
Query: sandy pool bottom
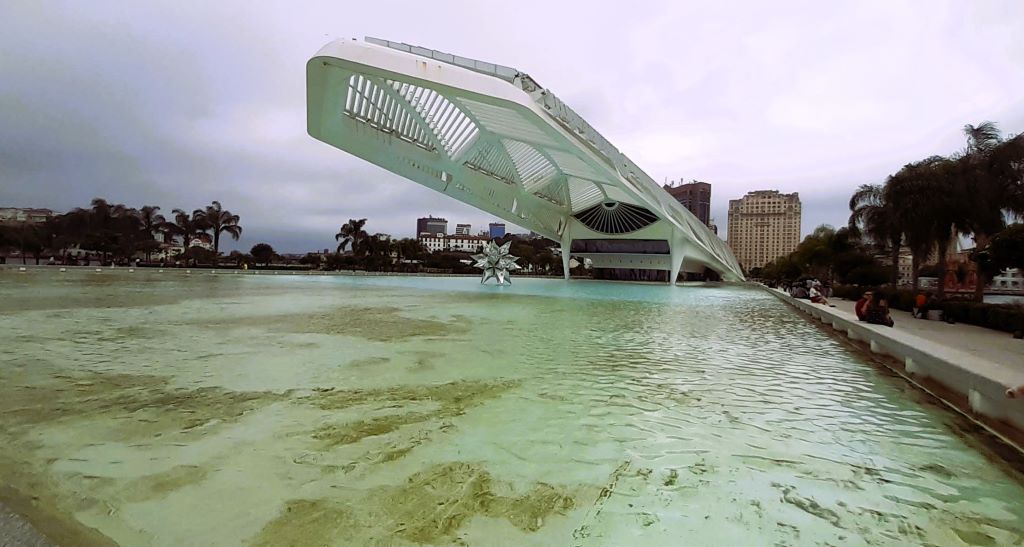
x=284 y=413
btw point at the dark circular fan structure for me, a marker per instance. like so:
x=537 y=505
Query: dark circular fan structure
x=613 y=217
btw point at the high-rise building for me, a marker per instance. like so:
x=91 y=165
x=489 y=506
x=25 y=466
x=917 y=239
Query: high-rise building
x=462 y=229
x=496 y=229
x=763 y=225
x=695 y=196
x=432 y=226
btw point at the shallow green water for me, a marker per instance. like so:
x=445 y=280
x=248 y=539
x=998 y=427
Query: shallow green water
x=226 y=409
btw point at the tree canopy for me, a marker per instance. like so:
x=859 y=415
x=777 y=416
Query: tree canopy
x=262 y=253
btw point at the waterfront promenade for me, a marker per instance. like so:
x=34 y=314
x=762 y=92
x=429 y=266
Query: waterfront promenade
x=968 y=367
x=988 y=344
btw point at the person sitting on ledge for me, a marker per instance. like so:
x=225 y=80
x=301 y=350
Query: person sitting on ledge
x=800 y=292
x=861 y=307
x=878 y=312
x=817 y=297
x=920 y=301
x=1016 y=392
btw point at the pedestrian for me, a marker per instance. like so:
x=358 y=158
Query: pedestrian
x=861 y=307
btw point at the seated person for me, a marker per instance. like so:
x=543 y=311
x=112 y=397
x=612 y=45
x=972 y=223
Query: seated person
x=878 y=312
x=919 y=303
x=800 y=292
x=861 y=307
x=817 y=296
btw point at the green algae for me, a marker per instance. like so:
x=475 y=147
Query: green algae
x=445 y=400
x=384 y=324
x=109 y=408
x=145 y=404
x=350 y=432
x=454 y=398
x=377 y=324
x=429 y=507
x=158 y=485
x=308 y=522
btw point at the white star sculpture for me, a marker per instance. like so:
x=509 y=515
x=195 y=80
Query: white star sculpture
x=496 y=263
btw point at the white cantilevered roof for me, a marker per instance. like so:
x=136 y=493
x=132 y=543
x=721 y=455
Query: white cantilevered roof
x=486 y=134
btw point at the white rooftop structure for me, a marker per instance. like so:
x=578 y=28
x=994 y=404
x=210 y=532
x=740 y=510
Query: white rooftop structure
x=491 y=137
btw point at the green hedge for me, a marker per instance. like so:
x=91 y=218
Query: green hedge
x=899 y=299
x=1004 y=317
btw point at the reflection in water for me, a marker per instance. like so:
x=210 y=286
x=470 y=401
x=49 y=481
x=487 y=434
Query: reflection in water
x=319 y=410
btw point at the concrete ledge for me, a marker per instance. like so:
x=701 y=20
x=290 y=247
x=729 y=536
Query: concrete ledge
x=967 y=381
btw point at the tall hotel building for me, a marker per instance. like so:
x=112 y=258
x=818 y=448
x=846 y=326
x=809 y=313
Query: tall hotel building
x=763 y=225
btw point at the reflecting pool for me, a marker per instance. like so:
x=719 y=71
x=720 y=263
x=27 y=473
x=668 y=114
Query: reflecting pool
x=273 y=410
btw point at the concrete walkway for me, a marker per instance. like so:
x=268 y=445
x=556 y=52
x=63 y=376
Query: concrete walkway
x=992 y=345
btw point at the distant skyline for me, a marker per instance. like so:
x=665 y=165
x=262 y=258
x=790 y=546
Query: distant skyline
x=178 y=104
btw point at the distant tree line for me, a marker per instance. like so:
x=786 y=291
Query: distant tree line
x=929 y=203
x=925 y=206
x=357 y=249
x=117 y=233
x=827 y=254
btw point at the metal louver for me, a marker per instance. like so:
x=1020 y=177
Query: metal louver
x=612 y=217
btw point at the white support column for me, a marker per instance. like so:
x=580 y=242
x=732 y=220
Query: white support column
x=676 y=254
x=566 y=251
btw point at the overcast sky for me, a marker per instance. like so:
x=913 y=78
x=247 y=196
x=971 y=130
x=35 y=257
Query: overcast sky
x=180 y=103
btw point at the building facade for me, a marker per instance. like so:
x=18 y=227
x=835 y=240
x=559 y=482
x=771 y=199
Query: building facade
x=1010 y=280
x=496 y=229
x=695 y=196
x=21 y=214
x=462 y=229
x=763 y=225
x=431 y=225
x=458 y=243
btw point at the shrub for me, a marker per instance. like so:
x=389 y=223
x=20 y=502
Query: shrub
x=1004 y=317
x=899 y=299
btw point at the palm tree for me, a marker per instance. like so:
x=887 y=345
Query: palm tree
x=921 y=197
x=220 y=220
x=152 y=223
x=981 y=139
x=350 y=234
x=73 y=229
x=989 y=188
x=1007 y=163
x=410 y=249
x=871 y=214
x=946 y=216
x=105 y=225
x=187 y=226
x=375 y=249
x=127 y=226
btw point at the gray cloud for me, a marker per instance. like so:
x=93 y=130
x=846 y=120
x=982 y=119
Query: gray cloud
x=179 y=104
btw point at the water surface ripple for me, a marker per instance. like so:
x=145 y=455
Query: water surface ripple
x=336 y=410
